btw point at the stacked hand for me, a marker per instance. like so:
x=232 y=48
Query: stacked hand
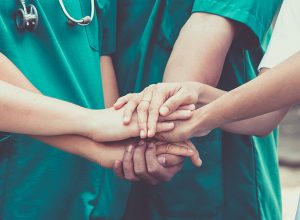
x=157 y=106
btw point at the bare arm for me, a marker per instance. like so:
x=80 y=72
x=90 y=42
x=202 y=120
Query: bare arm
x=200 y=50
x=196 y=56
x=278 y=89
x=260 y=125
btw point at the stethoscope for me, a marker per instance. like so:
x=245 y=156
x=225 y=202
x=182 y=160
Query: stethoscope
x=27 y=17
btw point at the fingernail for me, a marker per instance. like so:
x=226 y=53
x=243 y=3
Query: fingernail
x=130 y=148
x=125 y=119
x=150 y=133
x=164 y=110
x=162 y=160
x=190 y=150
x=200 y=162
x=142 y=134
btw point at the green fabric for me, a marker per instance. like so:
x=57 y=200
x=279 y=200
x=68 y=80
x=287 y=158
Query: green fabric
x=239 y=177
x=38 y=181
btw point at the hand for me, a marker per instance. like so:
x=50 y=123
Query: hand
x=160 y=99
x=184 y=130
x=157 y=162
x=107 y=125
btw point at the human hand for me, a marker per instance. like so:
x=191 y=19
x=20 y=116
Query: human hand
x=155 y=162
x=107 y=125
x=174 y=100
x=184 y=130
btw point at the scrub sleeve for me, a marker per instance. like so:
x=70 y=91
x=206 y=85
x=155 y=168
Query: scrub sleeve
x=38 y=181
x=235 y=179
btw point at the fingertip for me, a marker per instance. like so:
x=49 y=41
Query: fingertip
x=151 y=133
x=126 y=119
x=143 y=134
x=164 y=110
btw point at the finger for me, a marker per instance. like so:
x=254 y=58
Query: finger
x=174 y=102
x=169 y=160
x=159 y=98
x=165 y=126
x=175 y=149
x=118 y=169
x=122 y=101
x=155 y=169
x=140 y=167
x=177 y=115
x=191 y=107
x=195 y=158
x=142 y=111
x=128 y=164
x=129 y=109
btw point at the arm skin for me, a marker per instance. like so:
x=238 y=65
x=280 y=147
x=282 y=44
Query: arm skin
x=99 y=125
x=196 y=56
x=277 y=89
x=261 y=125
x=102 y=153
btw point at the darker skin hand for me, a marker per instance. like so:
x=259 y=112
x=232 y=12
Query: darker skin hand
x=154 y=162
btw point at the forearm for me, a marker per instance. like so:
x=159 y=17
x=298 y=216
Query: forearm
x=109 y=81
x=103 y=154
x=260 y=125
x=200 y=50
x=278 y=89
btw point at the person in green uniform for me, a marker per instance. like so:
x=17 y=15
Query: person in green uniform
x=60 y=61
x=220 y=44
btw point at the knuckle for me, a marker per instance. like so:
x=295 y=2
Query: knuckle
x=141 y=108
x=153 y=169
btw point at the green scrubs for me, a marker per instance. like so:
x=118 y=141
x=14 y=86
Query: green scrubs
x=239 y=177
x=38 y=181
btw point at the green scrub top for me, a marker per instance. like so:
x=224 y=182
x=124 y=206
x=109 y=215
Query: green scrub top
x=38 y=181
x=239 y=177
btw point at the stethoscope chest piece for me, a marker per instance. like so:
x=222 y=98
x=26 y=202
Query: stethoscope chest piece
x=27 y=18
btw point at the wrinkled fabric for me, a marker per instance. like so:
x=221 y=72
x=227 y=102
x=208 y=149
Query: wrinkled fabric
x=38 y=181
x=239 y=177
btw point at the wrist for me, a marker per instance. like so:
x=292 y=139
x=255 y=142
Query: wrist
x=92 y=123
x=204 y=122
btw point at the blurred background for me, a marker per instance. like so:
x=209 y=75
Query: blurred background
x=289 y=159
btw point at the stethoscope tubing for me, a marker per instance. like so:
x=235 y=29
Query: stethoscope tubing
x=82 y=21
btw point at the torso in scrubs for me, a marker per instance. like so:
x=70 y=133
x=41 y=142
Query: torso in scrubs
x=239 y=177
x=39 y=182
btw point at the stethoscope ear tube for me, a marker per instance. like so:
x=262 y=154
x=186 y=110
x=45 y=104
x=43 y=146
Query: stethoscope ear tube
x=27 y=18
x=83 y=21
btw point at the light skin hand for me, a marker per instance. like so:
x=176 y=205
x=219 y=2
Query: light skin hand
x=111 y=121
x=179 y=97
x=143 y=163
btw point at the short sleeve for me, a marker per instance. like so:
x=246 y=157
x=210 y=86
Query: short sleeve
x=285 y=40
x=107 y=21
x=255 y=16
